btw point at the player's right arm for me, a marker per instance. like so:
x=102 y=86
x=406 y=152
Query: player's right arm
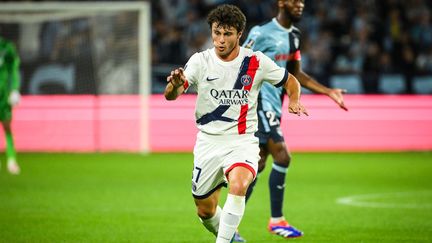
x=175 y=86
x=181 y=79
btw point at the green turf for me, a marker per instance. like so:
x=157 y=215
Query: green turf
x=134 y=198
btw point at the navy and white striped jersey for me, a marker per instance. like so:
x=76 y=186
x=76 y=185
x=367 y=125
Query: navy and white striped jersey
x=228 y=91
x=282 y=45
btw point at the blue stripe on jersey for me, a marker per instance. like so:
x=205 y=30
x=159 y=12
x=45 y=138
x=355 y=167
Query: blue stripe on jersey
x=243 y=69
x=216 y=115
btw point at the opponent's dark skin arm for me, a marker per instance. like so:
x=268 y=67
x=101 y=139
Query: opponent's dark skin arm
x=310 y=83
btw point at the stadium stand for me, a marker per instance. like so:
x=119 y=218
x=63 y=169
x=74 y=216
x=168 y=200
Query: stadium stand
x=392 y=84
x=388 y=36
x=369 y=38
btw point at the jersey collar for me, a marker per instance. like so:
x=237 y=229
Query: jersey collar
x=281 y=27
x=239 y=58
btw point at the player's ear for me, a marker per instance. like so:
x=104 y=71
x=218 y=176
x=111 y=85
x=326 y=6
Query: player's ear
x=239 y=35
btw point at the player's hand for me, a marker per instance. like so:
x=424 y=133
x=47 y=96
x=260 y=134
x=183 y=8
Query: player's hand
x=297 y=108
x=176 y=78
x=14 y=98
x=337 y=96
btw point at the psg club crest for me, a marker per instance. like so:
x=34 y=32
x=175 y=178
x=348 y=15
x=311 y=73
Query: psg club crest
x=246 y=80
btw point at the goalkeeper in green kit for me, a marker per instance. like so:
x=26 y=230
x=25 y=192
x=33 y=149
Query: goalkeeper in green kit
x=9 y=97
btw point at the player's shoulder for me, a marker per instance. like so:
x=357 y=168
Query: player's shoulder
x=249 y=52
x=260 y=36
x=201 y=56
x=262 y=29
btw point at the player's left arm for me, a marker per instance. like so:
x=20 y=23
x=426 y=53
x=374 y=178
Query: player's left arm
x=279 y=76
x=310 y=83
x=293 y=89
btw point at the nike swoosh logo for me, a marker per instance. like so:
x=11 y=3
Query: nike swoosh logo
x=280 y=187
x=211 y=79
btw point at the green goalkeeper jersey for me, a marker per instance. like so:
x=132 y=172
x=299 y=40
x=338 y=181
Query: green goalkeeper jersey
x=9 y=70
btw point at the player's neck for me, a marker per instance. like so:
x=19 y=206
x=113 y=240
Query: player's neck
x=284 y=20
x=230 y=56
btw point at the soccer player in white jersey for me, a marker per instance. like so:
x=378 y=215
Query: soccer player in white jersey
x=279 y=39
x=228 y=79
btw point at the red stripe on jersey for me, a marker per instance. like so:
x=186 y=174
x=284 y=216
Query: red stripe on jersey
x=252 y=68
x=242 y=164
x=297 y=55
x=186 y=85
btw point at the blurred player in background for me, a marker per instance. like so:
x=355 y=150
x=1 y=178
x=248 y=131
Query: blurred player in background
x=9 y=97
x=227 y=78
x=280 y=41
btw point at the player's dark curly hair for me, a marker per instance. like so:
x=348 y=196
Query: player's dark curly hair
x=227 y=15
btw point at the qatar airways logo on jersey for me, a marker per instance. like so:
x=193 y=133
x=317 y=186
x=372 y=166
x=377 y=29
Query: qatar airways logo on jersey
x=230 y=96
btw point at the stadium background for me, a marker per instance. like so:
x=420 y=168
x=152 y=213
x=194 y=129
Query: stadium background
x=81 y=94
x=80 y=76
x=366 y=38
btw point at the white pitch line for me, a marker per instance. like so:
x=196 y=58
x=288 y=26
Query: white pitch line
x=366 y=200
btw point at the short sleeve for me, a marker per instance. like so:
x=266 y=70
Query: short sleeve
x=272 y=72
x=192 y=69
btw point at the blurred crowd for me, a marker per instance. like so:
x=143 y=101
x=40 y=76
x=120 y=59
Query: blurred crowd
x=366 y=38
x=363 y=37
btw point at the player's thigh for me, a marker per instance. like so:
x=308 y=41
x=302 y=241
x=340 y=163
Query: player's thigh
x=207 y=171
x=263 y=157
x=5 y=111
x=279 y=152
x=244 y=153
x=240 y=178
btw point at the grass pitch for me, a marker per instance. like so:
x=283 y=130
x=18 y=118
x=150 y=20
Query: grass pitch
x=135 y=198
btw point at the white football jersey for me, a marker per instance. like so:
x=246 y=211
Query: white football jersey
x=228 y=91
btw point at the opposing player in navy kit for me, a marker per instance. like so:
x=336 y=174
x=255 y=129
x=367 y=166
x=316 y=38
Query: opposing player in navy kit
x=228 y=79
x=280 y=41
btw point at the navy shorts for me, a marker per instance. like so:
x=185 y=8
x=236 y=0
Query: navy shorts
x=269 y=127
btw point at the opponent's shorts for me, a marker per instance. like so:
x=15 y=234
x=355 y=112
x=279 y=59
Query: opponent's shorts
x=269 y=127
x=215 y=156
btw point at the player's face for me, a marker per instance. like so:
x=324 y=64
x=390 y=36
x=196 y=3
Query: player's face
x=294 y=9
x=225 y=41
